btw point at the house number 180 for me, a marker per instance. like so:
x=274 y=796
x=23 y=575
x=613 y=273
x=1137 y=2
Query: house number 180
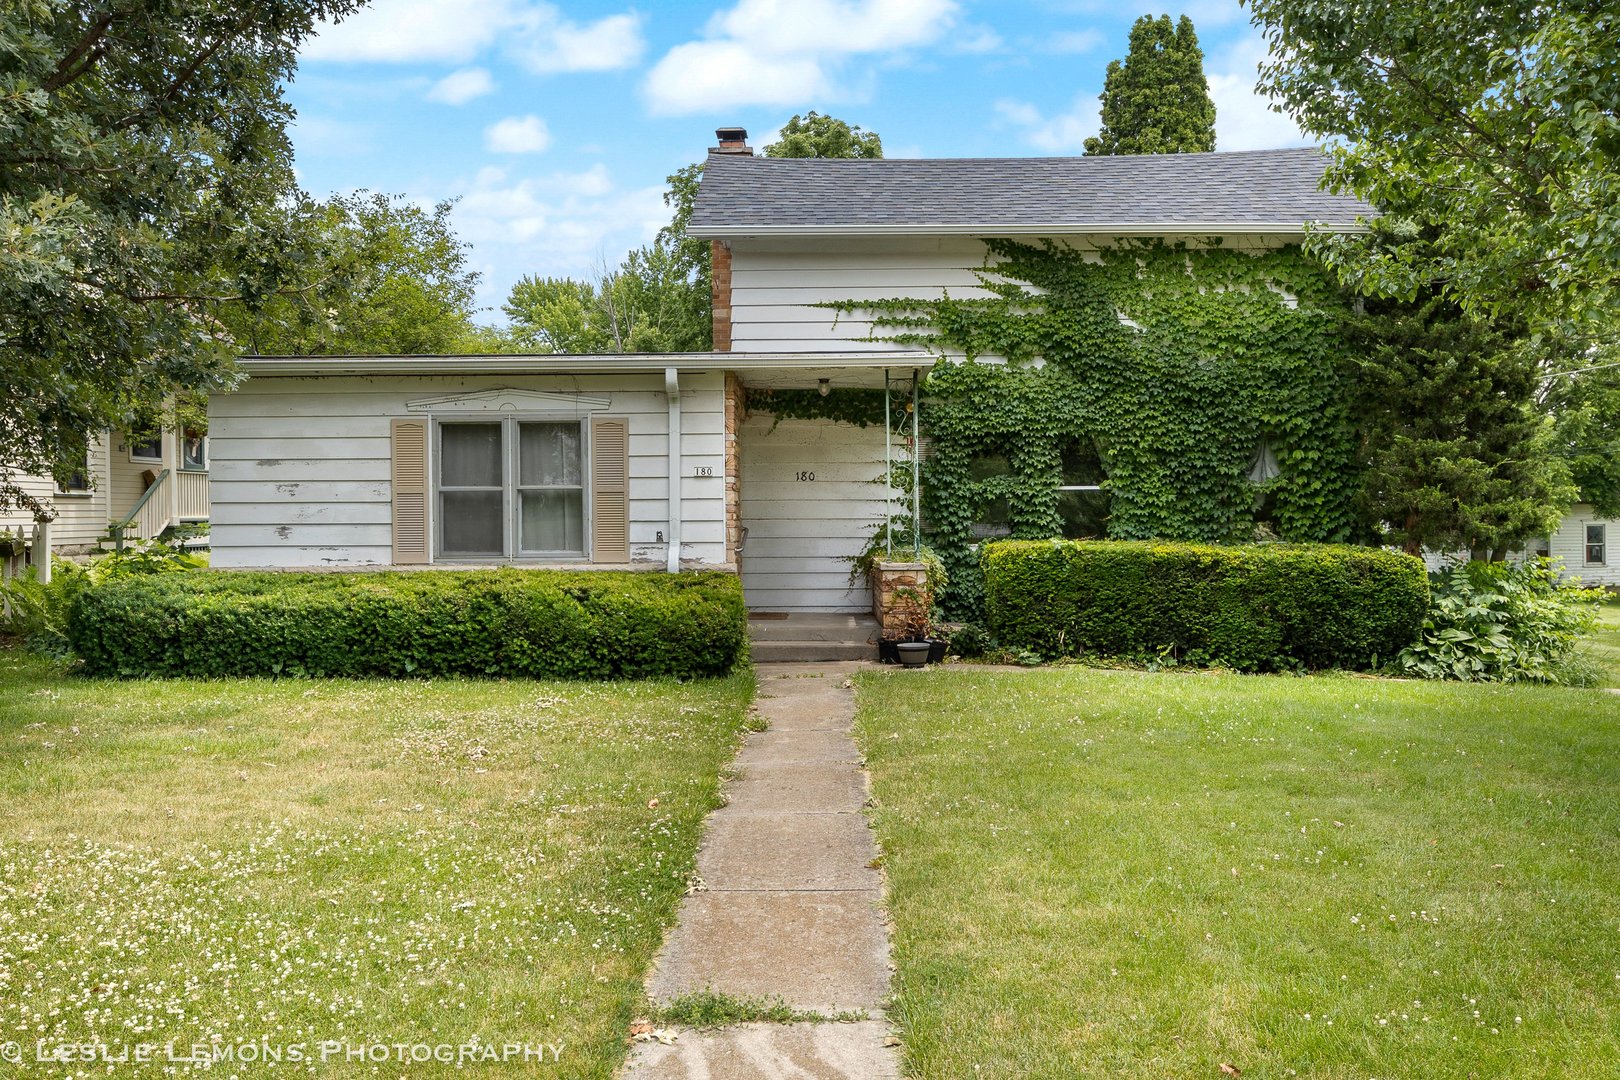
x=804 y=477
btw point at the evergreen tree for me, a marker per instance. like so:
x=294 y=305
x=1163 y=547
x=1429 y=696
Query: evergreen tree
x=1157 y=101
x=1455 y=454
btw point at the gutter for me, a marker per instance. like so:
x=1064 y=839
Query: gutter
x=631 y=364
x=1030 y=228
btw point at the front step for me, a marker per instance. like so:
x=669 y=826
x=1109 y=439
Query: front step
x=811 y=652
x=811 y=626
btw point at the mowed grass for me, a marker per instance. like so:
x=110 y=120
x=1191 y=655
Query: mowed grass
x=1108 y=874
x=1604 y=645
x=290 y=862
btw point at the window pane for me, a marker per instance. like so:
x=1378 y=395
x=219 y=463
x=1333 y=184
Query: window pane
x=471 y=522
x=470 y=455
x=553 y=521
x=1081 y=464
x=549 y=454
x=193 y=451
x=1084 y=514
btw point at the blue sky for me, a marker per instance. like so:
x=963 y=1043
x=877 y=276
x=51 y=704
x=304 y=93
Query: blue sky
x=555 y=124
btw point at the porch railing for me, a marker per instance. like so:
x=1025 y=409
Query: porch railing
x=192 y=496
x=147 y=518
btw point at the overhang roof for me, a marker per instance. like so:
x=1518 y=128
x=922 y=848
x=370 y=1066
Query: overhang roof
x=1251 y=191
x=579 y=364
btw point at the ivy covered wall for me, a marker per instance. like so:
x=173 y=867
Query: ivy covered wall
x=1198 y=387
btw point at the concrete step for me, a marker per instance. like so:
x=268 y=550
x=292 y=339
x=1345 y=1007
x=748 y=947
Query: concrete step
x=802 y=652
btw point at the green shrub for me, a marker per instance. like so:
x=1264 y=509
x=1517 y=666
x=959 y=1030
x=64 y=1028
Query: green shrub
x=509 y=622
x=1503 y=622
x=38 y=613
x=1256 y=607
x=154 y=556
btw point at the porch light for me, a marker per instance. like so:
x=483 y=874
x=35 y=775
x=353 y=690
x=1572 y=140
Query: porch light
x=823 y=387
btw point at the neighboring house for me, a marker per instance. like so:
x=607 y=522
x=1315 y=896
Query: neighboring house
x=650 y=460
x=152 y=483
x=1583 y=545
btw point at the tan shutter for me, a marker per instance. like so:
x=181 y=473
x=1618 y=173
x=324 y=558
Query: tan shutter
x=410 y=477
x=610 y=491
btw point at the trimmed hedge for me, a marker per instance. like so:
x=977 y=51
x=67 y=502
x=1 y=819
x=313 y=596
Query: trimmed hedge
x=508 y=622
x=1255 y=607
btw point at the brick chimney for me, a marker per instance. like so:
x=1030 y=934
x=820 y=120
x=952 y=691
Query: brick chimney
x=733 y=140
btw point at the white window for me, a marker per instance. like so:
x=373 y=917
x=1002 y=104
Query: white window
x=1082 y=502
x=146 y=449
x=511 y=489
x=193 y=451
x=1597 y=544
x=76 y=482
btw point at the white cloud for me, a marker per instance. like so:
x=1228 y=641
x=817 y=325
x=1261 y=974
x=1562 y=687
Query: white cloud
x=460 y=87
x=789 y=52
x=1063 y=133
x=551 y=43
x=558 y=223
x=517 y=135
x=538 y=34
x=1243 y=119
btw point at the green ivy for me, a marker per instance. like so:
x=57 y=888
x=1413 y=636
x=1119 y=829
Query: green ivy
x=863 y=408
x=1172 y=361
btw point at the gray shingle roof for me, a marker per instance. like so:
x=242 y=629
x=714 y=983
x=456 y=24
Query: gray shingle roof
x=1254 y=190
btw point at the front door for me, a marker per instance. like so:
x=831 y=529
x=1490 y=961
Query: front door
x=812 y=497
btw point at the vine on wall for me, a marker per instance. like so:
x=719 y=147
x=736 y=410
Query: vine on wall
x=1172 y=363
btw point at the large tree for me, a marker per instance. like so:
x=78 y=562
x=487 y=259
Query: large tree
x=818 y=135
x=382 y=276
x=1454 y=453
x=1495 y=126
x=1157 y=101
x=144 y=174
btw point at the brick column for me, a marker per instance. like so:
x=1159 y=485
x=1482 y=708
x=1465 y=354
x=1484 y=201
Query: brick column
x=720 y=293
x=897 y=590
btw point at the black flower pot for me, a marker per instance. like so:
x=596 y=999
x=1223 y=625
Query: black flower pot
x=914 y=654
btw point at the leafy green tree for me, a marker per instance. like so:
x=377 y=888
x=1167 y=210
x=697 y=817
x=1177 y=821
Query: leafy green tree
x=1157 y=101
x=145 y=175
x=1495 y=125
x=384 y=276
x=818 y=135
x=1454 y=453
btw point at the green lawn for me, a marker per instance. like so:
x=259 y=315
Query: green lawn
x=1108 y=874
x=1605 y=644
x=299 y=862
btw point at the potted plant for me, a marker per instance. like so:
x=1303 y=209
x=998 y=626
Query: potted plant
x=12 y=545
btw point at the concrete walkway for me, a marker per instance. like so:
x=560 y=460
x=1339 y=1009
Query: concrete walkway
x=789 y=902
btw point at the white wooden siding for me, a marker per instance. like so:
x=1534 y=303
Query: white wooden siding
x=801 y=533
x=1568 y=544
x=81 y=520
x=300 y=466
x=776 y=283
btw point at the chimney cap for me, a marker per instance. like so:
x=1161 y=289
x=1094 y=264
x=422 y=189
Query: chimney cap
x=731 y=134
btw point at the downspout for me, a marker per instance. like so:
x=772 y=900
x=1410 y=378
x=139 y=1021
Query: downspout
x=916 y=464
x=672 y=390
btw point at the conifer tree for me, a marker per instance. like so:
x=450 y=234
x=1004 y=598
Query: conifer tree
x=1157 y=101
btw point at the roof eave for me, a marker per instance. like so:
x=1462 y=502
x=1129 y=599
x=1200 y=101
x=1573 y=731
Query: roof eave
x=1266 y=228
x=626 y=364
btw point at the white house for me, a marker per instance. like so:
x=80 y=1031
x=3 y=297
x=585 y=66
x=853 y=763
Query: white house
x=148 y=482
x=650 y=460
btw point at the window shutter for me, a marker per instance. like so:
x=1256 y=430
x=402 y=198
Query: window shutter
x=610 y=491
x=410 y=482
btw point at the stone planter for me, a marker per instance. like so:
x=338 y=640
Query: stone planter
x=897 y=591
